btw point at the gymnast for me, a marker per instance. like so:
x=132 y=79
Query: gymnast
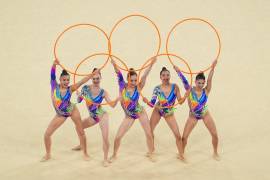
x=167 y=93
x=60 y=95
x=133 y=110
x=93 y=96
x=198 y=109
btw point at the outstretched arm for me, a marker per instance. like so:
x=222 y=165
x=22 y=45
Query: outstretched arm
x=114 y=65
x=108 y=100
x=53 y=76
x=74 y=87
x=181 y=99
x=210 y=77
x=182 y=77
x=153 y=99
x=121 y=81
x=146 y=73
x=80 y=95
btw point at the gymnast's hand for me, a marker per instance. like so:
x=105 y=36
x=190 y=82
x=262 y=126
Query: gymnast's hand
x=145 y=100
x=176 y=68
x=112 y=61
x=188 y=92
x=56 y=62
x=119 y=98
x=214 y=64
x=114 y=65
x=154 y=60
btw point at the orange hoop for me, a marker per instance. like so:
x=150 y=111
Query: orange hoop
x=200 y=20
x=75 y=26
x=148 y=62
x=151 y=61
x=87 y=58
x=141 y=16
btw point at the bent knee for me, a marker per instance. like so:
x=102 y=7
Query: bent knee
x=177 y=137
x=47 y=135
x=118 y=139
x=184 y=139
x=81 y=133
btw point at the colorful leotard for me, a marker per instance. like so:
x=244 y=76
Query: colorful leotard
x=129 y=103
x=167 y=102
x=93 y=103
x=198 y=107
x=62 y=105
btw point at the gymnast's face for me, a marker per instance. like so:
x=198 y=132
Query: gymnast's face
x=64 y=80
x=165 y=77
x=132 y=80
x=200 y=83
x=96 y=79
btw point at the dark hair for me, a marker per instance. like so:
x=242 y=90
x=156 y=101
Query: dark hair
x=95 y=70
x=163 y=69
x=131 y=72
x=200 y=76
x=64 y=73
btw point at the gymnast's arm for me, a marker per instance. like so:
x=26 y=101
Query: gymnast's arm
x=53 y=74
x=147 y=71
x=108 y=100
x=153 y=99
x=182 y=77
x=84 y=80
x=81 y=94
x=181 y=99
x=121 y=81
x=210 y=77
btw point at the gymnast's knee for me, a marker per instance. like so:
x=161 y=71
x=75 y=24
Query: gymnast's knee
x=118 y=139
x=106 y=142
x=177 y=137
x=47 y=135
x=215 y=136
x=81 y=133
x=184 y=140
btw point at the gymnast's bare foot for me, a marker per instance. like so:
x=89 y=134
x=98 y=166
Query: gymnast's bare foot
x=151 y=156
x=216 y=156
x=182 y=158
x=77 y=148
x=86 y=157
x=106 y=163
x=113 y=158
x=46 y=158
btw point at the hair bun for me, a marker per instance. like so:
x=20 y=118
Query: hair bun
x=200 y=76
x=64 y=73
x=164 y=68
x=201 y=73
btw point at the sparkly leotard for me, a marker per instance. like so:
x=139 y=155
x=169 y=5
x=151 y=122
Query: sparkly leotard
x=62 y=104
x=129 y=103
x=93 y=103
